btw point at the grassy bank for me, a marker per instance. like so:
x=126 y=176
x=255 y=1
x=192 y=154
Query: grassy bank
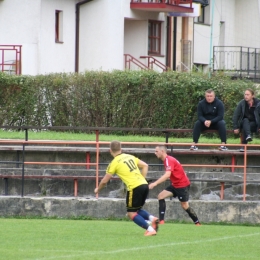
x=50 y=135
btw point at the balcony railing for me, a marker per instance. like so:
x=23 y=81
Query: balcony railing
x=238 y=61
x=180 y=6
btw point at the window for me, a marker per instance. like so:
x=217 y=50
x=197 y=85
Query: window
x=201 y=18
x=204 y=15
x=58 y=26
x=154 y=37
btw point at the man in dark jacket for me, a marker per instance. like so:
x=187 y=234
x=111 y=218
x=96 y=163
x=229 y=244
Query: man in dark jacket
x=246 y=116
x=210 y=116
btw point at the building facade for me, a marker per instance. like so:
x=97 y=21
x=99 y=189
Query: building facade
x=75 y=35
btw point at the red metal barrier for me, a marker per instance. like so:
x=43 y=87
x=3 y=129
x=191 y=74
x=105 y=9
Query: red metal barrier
x=98 y=143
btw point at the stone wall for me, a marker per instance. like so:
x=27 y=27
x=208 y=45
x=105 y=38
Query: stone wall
x=207 y=211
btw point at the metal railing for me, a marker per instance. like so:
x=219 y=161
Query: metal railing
x=171 y=2
x=98 y=144
x=11 y=59
x=154 y=62
x=238 y=61
x=129 y=59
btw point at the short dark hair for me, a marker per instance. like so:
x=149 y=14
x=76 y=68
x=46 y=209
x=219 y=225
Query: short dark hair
x=209 y=91
x=115 y=146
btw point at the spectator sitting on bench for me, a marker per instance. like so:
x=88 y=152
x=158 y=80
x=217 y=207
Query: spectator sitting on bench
x=210 y=116
x=246 y=117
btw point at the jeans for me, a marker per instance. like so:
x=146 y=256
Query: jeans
x=200 y=127
x=248 y=127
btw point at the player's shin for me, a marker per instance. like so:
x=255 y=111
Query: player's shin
x=192 y=215
x=162 y=209
x=140 y=221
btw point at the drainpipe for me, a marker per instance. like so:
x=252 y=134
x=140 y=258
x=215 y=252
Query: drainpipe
x=212 y=3
x=174 y=43
x=77 y=33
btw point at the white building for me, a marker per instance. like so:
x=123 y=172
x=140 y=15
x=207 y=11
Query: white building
x=233 y=24
x=79 y=35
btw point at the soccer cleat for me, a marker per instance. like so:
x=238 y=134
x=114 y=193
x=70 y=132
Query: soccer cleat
x=161 y=222
x=223 y=148
x=155 y=223
x=249 y=138
x=194 y=148
x=241 y=149
x=149 y=233
x=197 y=224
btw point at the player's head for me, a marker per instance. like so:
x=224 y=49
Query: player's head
x=249 y=94
x=115 y=147
x=210 y=95
x=161 y=151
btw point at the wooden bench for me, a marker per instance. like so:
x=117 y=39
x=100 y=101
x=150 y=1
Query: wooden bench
x=172 y=150
x=167 y=132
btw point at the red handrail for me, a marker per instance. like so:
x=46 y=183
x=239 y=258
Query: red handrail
x=131 y=59
x=170 y=2
x=152 y=61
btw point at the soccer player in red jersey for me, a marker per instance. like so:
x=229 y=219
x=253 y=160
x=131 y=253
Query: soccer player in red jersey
x=180 y=184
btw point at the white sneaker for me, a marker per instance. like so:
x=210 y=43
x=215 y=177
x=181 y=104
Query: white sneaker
x=194 y=147
x=223 y=148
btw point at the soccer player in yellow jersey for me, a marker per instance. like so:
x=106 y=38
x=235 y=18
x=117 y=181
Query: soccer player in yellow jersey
x=127 y=167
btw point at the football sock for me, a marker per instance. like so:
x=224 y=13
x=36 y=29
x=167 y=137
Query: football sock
x=140 y=221
x=143 y=214
x=150 y=229
x=192 y=214
x=162 y=208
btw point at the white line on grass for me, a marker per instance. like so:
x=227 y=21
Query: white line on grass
x=146 y=247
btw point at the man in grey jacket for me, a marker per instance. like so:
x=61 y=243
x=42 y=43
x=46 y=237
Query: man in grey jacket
x=246 y=116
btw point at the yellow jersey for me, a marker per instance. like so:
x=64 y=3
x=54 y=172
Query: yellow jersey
x=125 y=166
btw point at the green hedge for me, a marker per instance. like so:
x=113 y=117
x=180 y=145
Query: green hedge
x=113 y=99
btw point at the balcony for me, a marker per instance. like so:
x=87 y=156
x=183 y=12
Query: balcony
x=237 y=61
x=166 y=6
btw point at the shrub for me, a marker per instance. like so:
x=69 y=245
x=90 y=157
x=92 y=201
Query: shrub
x=138 y=99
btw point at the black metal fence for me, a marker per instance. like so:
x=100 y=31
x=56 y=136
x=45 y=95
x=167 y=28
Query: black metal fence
x=241 y=62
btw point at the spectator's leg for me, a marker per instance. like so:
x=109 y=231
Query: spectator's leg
x=253 y=127
x=198 y=127
x=221 y=127
x=245 y=129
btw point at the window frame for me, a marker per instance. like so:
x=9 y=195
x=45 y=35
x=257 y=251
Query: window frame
x=201 y=18
x=157 y=38
x=58 y=26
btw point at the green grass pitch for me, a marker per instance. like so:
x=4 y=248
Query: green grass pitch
x=47 y=239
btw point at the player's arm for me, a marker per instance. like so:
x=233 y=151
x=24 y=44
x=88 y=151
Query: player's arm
x=162 y=179
x=103 y=182
x=143 y=167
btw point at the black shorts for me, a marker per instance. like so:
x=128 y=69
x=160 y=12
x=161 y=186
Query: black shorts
x=181 y=193
x=135 y=199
